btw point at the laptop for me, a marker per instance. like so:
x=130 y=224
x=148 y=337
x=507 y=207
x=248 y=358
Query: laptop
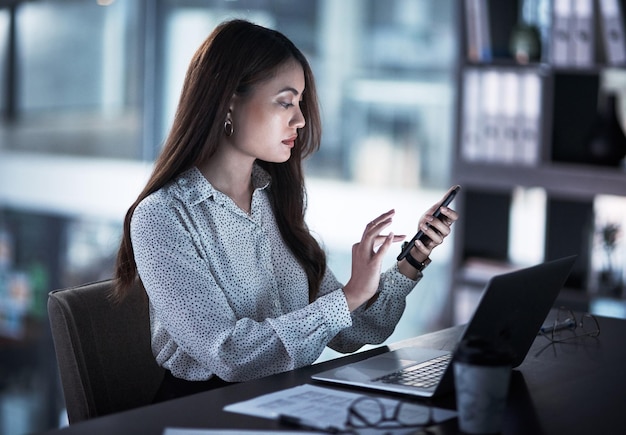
x=512 y=309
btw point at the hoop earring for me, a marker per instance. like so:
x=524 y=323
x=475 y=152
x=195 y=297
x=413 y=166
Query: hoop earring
x=228 y=127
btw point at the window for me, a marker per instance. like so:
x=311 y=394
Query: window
x=77 y=81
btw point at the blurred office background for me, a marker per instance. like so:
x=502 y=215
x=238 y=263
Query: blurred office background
x=87 y=93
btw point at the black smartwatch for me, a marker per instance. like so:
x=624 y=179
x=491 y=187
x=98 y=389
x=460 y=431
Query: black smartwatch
x=420 y=266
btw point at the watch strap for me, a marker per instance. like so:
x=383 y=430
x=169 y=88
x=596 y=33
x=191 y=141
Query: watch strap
x=419 y=265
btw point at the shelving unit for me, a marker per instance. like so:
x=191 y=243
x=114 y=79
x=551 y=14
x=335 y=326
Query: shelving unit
x=563 y=166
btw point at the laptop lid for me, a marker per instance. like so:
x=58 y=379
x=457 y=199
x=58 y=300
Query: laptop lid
x=514 y=305
x=511 y=310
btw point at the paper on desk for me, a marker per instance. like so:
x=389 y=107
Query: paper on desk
x=325 y=406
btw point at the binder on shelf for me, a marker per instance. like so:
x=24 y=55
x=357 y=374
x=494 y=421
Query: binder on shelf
x=529 y=138
x=561 y=32
x=582 y=36
x=492 y=115
x=478 y=36
x=612 y=25
x=501 y=116
x=510 y=109
x=471 y=116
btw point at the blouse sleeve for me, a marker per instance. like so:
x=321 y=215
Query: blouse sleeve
x=373 y=324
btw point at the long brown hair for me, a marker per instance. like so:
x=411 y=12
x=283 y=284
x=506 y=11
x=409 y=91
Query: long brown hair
x=237 y=56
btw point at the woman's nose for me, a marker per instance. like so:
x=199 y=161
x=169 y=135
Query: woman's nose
x=298 y=120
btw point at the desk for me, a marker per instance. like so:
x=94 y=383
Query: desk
x=563 y=388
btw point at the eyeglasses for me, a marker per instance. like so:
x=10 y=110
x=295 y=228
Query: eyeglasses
x=370 y=412
x=567 y=327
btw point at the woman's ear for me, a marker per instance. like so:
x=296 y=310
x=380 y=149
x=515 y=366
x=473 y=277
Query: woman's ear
x=234 y=101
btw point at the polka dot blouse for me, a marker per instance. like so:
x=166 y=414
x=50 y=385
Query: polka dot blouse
x=228 y=298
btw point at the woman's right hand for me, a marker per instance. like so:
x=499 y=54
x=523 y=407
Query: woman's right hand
x=367 y=259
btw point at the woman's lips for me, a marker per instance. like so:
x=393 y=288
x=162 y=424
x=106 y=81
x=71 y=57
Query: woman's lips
x=290 y=142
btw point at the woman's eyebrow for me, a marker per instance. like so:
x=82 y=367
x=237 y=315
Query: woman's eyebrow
x=289 y=89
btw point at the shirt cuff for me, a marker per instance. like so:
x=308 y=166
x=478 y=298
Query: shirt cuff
x=334 y=307
x=395 y=274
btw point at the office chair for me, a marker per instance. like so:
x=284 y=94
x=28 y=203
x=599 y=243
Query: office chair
x=103 y=350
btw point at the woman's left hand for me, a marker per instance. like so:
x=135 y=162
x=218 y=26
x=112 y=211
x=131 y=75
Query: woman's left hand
x=435 y=230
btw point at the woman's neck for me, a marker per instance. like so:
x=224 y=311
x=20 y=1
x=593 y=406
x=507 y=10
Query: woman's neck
x=233 y=177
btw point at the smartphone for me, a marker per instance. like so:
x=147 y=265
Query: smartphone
x=420 y=234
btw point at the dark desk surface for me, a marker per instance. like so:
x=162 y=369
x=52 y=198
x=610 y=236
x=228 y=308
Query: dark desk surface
x=564 y=388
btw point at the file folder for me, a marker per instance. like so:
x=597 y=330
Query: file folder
x=561 y=28
x=612 y=24
x=471 y=138
x=530 y=119
x=582 y=37
x=492 y=112
x=510 y=99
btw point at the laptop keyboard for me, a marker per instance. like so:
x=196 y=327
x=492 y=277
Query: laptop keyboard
x=423 y=375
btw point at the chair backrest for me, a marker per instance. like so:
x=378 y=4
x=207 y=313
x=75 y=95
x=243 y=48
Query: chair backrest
x=103 y=350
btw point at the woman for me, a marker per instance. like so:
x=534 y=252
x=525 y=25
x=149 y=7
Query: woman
x=238 y=287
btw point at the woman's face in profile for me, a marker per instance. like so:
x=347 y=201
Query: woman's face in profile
x=266 y=121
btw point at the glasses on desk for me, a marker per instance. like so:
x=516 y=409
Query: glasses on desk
x=372 y=413
x=567 y=327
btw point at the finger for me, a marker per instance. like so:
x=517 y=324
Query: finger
x=440 y=226
x=381 y=218
x=372 y=238
x=421 y=247
x=380 y=239
x=445 y=220
x=398 y=237
x=448 y=215
x=374 y=228
x=382 y=250
x=435 y=236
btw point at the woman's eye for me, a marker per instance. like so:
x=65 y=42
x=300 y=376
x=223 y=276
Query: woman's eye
x=286 y=105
